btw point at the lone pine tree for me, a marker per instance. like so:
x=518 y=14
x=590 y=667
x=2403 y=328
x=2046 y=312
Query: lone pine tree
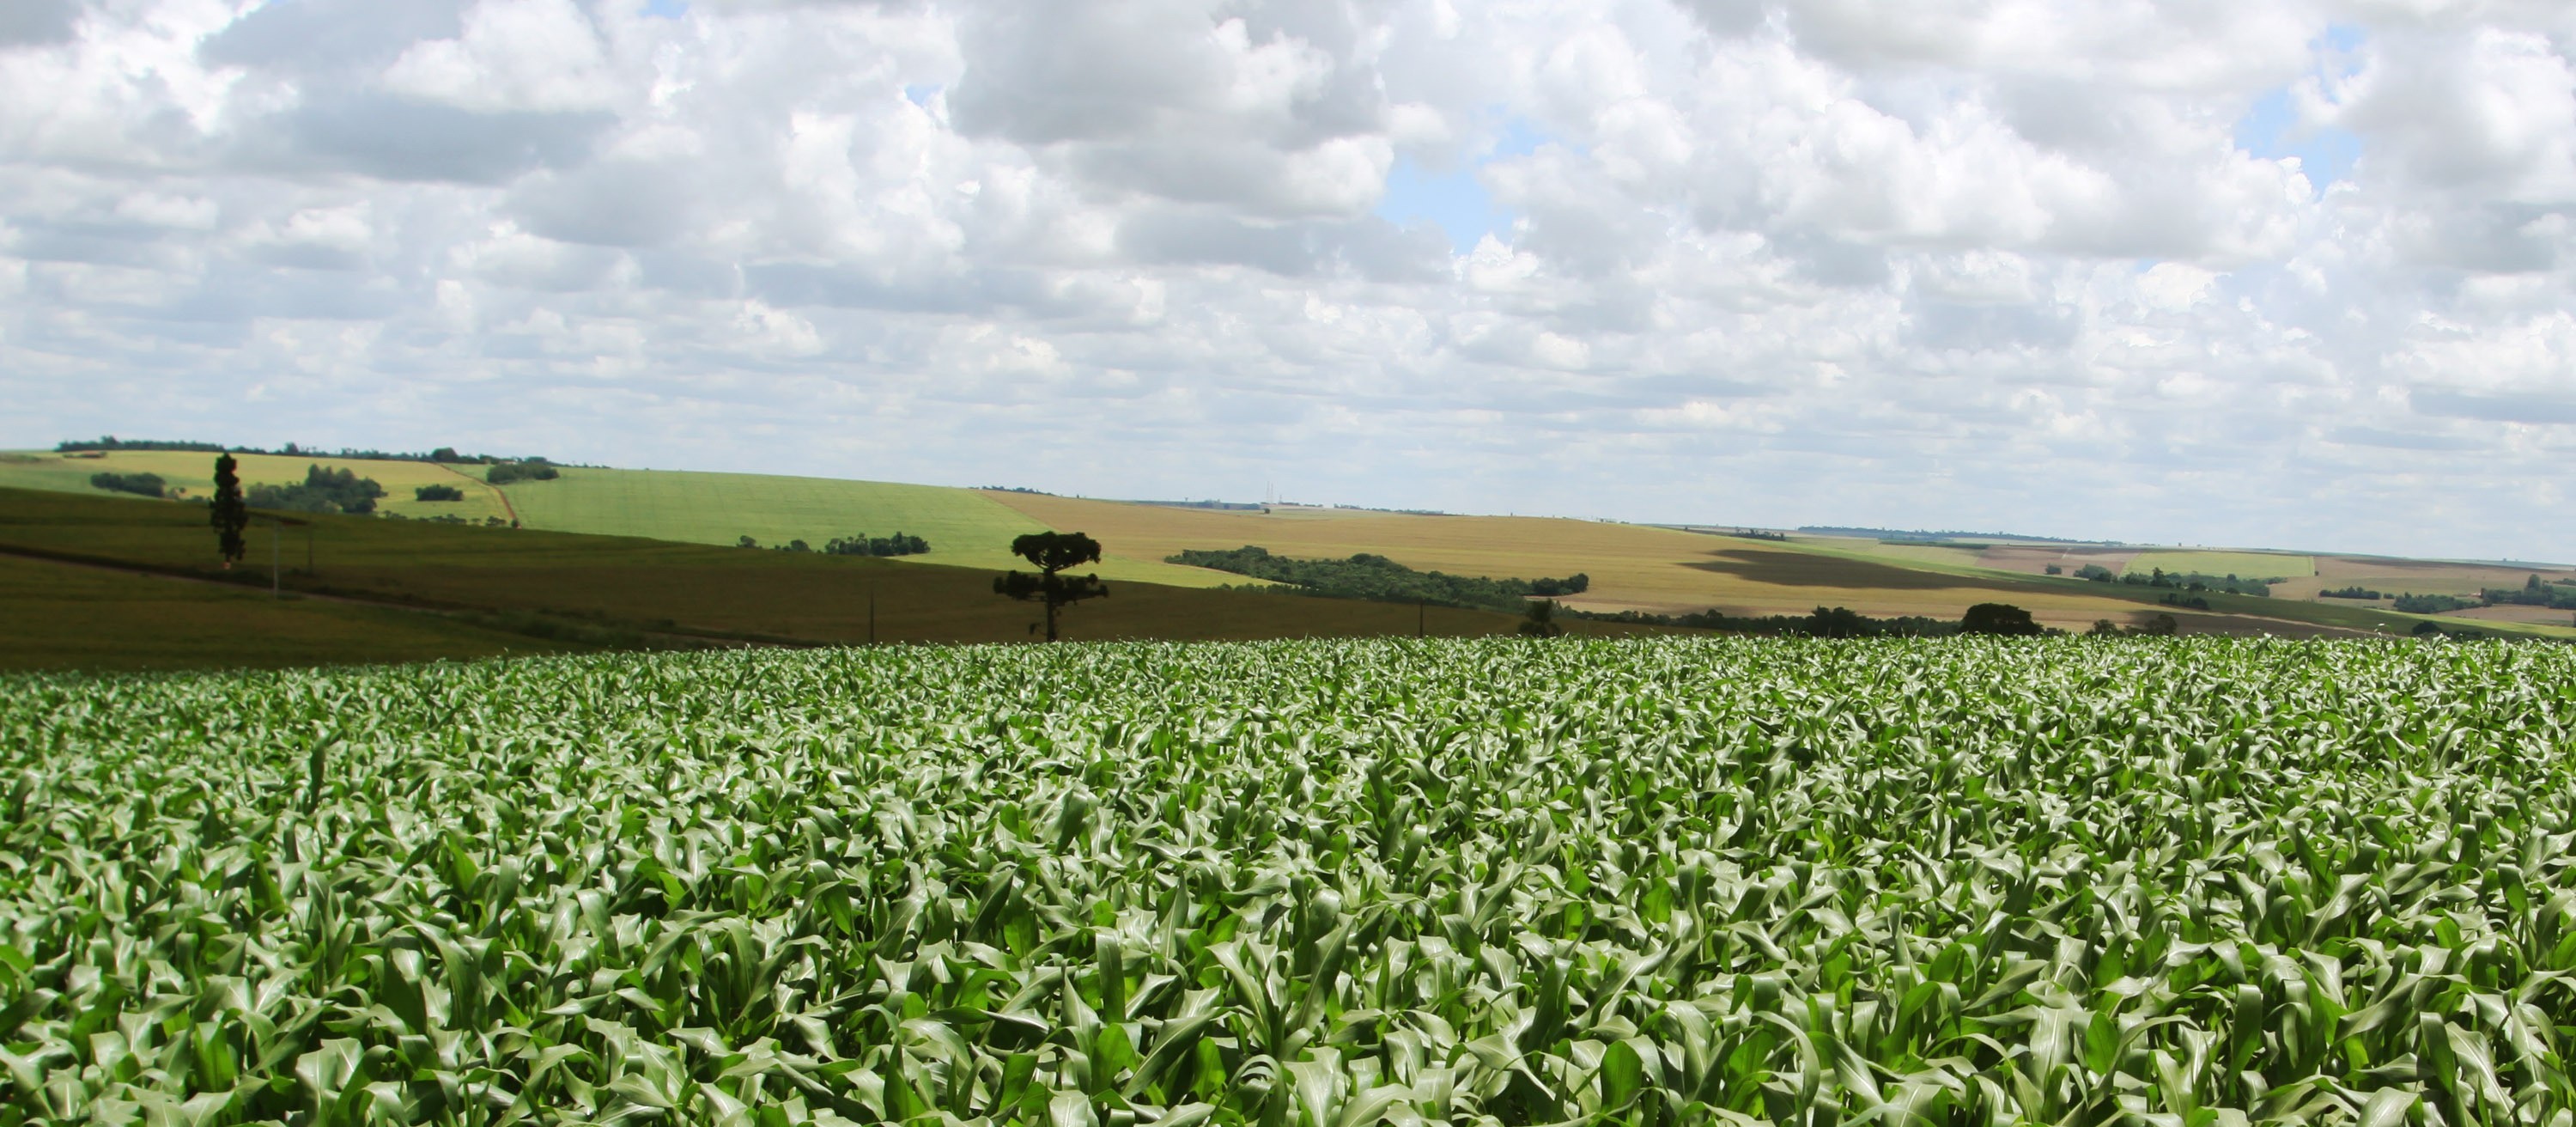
x=1052 y=552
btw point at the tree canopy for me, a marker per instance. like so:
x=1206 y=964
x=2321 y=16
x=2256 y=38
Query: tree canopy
x=1052 y=553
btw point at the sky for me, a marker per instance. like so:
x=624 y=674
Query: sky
x=2287 y=273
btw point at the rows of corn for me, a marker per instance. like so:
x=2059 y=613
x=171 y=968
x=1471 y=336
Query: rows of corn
x=1303 y=885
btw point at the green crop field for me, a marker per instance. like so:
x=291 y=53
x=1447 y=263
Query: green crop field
x=1320 y=884
x=965 y=528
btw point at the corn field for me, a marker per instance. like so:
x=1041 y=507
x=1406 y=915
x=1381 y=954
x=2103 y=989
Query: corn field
x=1303 y=885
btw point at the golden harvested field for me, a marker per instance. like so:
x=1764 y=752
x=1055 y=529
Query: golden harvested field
x=1633 y=567
x=192 y=474
x=2035 y=559
x=2426 y=577
x=2537 y=615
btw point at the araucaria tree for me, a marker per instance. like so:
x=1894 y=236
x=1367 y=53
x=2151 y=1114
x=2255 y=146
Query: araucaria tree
x=231 y=515
x=1539 y=621
x=1052 y=552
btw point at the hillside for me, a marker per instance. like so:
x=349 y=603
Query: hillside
x=1654 y=569
x=418 y=591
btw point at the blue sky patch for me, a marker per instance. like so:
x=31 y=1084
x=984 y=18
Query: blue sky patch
x=667 y=9
x=1455 y=200
x=2271 y=129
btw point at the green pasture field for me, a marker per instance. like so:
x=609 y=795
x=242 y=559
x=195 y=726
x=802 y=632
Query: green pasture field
x=1655 y=883
x=2249 y=565
x=965 y=528
x=567 y=590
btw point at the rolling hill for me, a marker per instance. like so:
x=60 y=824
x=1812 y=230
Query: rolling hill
x=1654 y=569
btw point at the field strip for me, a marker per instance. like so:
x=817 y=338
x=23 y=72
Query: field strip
x=328 y=595
x=497 y=492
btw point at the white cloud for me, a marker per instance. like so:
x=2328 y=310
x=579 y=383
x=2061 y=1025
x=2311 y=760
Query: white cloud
x=540 y=55
x=1958 y=262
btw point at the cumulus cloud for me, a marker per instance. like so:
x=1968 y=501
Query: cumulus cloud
x=1958 y=262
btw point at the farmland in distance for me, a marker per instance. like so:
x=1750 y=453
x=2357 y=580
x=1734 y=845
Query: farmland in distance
x=1307 y=883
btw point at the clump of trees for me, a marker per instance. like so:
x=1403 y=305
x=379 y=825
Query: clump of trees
x=2199 y=581
x=2355 y=591
x=1999 y=619
x=533 y=469
x=899 y=544
x=322 y=491
x=1825 y=622
x=139 y=484
x=2411 y=603
x=2532 y=593
x=2097 y=573
x=1375 y=577
x=438 y=493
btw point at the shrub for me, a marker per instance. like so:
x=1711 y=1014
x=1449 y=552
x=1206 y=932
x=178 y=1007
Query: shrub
x=139 y=484
x=438 y=493
x=534 y=470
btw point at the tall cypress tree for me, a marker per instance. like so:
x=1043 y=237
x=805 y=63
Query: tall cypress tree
x=231 y=515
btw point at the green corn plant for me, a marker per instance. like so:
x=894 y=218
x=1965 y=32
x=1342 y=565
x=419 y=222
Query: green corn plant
x=1654 y=883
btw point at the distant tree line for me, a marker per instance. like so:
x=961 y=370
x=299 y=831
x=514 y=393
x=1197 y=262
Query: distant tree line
x=1912 y=535
x=1823 y=622
x=2532 y=593
x=444 y=454
x=2556 y=595
x=2192 y=581
x=139 y=484
x=321 y=491
x=899 y=544
x=1367 y=576
x=2411 y=603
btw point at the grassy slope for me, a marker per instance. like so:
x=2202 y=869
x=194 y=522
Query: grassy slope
x=965 y=528
x=194 y=473
x=650 y=585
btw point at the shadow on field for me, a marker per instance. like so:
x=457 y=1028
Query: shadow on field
x=1794 y=569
